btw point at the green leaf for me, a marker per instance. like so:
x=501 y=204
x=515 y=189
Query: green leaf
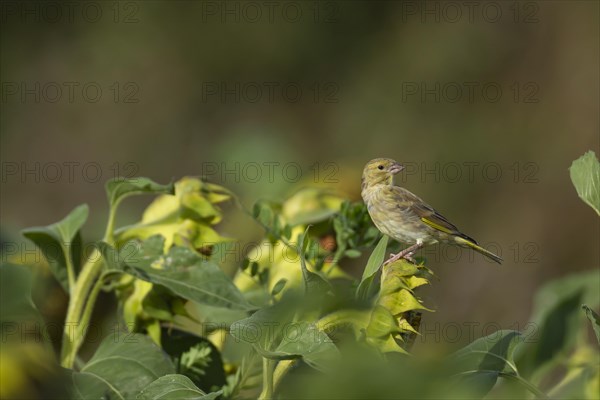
x=313 y=282
x=557 y=321
x=401 y=301
x=352 y=253
x=119 y=188
x=189 y=276
x=313 y=345
x=263 y=329
x=112 y=258
x=594 y=320
x=174 y=387
x=382 y=323
x=310 y=206
x=585 y=174
x=373 y=265
x=263 y=213
x=487 y=358
x=195 y=357
x=61 y=243
x=578 y=383
x=19 y=317
x=143 y=255
x=278 y=287
x=123 y=365
x=273 y=335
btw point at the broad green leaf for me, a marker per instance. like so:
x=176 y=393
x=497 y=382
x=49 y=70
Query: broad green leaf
x=123 y=365
x=144 y=254
x=132 y=253
x=594 y=320
x=263 y=329
x=373 y=265
x=585 y=174
x=487 y=358
x=274 y=335
x=119 y=188
x=174 y=387
x=189 y=276
x=557 y=320
x=21 y=322
x=313 y=345
x=59 y=241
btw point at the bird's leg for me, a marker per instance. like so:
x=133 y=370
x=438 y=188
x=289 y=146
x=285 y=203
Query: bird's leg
x=406 y=254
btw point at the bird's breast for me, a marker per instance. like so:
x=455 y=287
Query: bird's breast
x=394 y=218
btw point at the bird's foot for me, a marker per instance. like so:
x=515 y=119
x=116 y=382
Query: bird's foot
x=406 y=254
x=410 y=258
x=395 y=257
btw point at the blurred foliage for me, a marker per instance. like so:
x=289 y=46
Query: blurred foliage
x=290 y=321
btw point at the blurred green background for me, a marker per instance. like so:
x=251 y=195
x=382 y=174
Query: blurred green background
x=192 y=88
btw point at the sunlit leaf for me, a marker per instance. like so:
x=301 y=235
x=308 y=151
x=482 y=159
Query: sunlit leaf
x=310 y=205
x=401 y=301
x=382 y=323
x=585 y=174
x=373 y=265
x=594 y=320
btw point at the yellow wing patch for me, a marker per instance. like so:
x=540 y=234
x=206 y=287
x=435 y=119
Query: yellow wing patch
x=436 y=226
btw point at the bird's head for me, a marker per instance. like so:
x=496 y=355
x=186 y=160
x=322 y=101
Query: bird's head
x=381 y=171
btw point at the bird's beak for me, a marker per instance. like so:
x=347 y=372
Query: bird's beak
x=396 y=167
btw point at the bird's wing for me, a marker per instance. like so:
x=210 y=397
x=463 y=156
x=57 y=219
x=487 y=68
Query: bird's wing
x=426 y=213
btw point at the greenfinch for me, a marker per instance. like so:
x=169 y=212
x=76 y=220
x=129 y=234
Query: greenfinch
x=406 y=218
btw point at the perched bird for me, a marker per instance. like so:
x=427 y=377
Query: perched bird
x=406 y=218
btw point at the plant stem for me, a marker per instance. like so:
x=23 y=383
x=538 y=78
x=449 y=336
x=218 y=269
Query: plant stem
x=110 y=225
x=82 y=301
x=66 y=248
x=282 y=368
x=537 y=392
x=71 y=341
x=88 y=309
x=267 y=391
x=336 y=257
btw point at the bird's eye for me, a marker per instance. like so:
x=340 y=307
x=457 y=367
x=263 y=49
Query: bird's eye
x=380 y=167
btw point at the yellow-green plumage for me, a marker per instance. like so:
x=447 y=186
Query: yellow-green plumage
x=403 y=216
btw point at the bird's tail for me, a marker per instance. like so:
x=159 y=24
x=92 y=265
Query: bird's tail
x=468 y=243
